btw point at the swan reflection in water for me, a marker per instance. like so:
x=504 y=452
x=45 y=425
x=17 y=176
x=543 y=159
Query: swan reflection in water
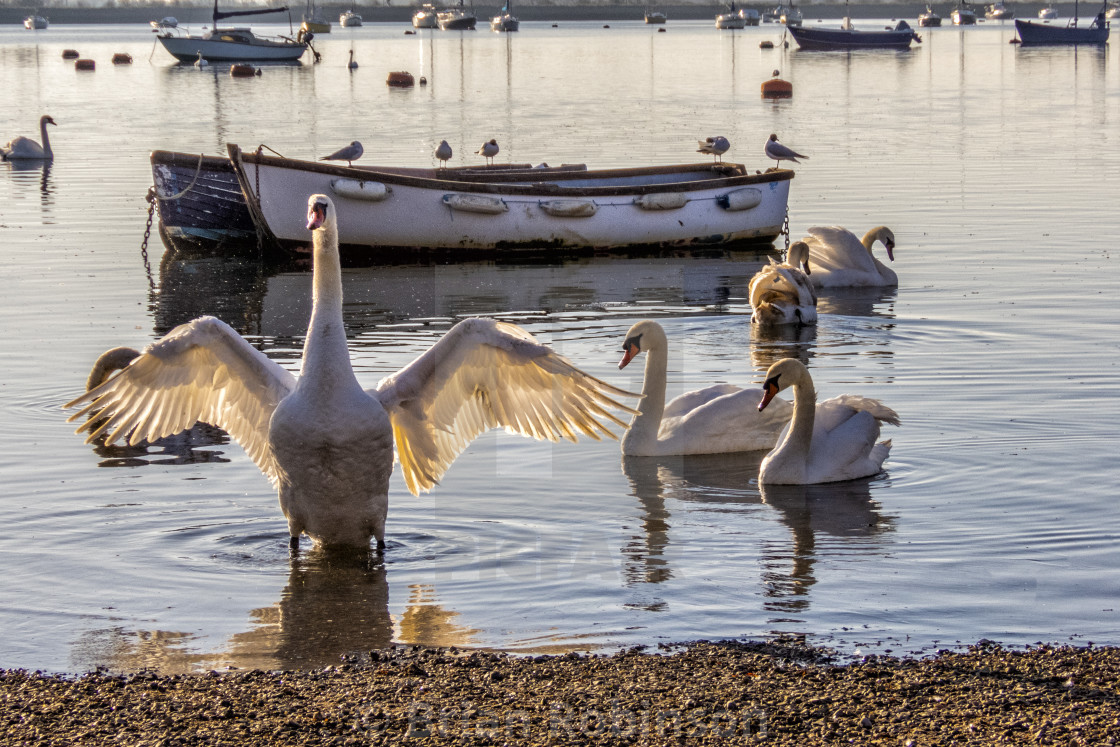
x=333 y=605
x=840 y=517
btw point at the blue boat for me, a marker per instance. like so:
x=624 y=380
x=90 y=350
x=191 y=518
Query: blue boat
x=1037 y=33
x=846 y=37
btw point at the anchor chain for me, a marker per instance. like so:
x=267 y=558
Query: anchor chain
x=151 y=198
x=785 y=230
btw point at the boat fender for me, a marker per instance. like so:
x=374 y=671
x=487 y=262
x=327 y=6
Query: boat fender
x=740 y=199
x=356 y=189
x=662 y=201
x=570 y=208
x=476 y=203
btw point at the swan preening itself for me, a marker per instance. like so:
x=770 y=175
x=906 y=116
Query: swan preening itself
x=828 y=441
x=718 y=419
x=323 y=441
x=23 y=148
x=840 y=260
x=781 y=293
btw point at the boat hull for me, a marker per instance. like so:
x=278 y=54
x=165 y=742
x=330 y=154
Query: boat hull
x=199 y=200
x=456 y=20
x=831 y=39
x=216 y=49
x=491 y=209
x=504 y=23
x=963 y=18
x=1037 y=33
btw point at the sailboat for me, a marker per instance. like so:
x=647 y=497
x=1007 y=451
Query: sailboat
x=505 y=20
x=232 y=44
x=314 y=20
x=456 y=18
x=1036 y=33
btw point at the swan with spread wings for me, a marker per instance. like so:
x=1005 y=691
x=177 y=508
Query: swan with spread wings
x=326 y=443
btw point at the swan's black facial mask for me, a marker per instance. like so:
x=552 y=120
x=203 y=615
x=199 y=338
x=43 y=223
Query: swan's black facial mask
x=630 y=348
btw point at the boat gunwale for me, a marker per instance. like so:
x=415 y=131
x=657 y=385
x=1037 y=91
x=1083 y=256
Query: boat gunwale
x=484 y=183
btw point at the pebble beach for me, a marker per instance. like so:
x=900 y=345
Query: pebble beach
x=778 y=693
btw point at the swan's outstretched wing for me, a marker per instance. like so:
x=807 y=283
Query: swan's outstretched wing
x=200 y=371
x=484 y=374
x=833 y=248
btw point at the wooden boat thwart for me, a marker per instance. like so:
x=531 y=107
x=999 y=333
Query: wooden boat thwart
x=496 y=208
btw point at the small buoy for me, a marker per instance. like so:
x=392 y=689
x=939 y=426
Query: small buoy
x=606 y=26
x=776 y=88
x=401 y=79
x=241 y=70
x=766 y=44
x=122 y=58
x=555 y=25
x=1015 y=40
x=70 y=54
x=423 y=81
x=661 y=30
x=84 y=65
x=409 y=32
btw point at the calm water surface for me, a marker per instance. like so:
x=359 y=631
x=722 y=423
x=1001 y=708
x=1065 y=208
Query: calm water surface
x=997 y=167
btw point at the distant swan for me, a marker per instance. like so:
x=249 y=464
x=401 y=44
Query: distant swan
x=323 y=441
x=25 y=148
x=352 y=64
x=840 y=260
x=718 y=419
x=781 y=293
x=201 y=61
x=826 y=442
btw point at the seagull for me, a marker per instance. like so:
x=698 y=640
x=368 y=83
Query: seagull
x=780 y=153
x=327 y=444
x=350 y=153
x=443 y=153
x=488 y=150
x=352 y=65
x=714 y=146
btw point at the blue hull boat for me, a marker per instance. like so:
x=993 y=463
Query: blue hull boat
x=1037 y=33
x=816 y=38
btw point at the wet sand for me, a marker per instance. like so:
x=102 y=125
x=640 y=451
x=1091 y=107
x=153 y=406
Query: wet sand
x=777 y=693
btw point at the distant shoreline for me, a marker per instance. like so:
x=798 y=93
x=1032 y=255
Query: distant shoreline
x=198 y=15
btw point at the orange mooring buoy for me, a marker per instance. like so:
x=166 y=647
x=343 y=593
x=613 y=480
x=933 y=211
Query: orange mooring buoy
x=122 y=58
x=776 y=88
x=84 y=64
x=243 y=70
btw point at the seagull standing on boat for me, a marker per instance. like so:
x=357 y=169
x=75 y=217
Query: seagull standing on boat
x=24 y=148
x=326 y=443
x=350 y=153
x=714 y=146
x=443 y=153
x=489 y=150
x=780 y=153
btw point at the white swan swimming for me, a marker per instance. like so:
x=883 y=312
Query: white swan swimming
x=825 y=442
x=201 y=61
x=840 y=260
x=23 y=148
x=352 y=65
x=323 y=441
x=781 y=293
x=718 y=419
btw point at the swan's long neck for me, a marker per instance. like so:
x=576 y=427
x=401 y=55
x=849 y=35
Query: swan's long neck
x=47 y=152
x=800 y=434
x=869 y=239
x=645 y=425
x=325 y=352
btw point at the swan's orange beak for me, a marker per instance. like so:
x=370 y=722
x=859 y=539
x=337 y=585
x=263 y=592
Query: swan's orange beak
x=316 y=214
x=770 y=390
x=629 y=351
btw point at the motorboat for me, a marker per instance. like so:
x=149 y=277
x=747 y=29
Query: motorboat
x=997 y=11
x=847 y=37
x=314 y=20
x=737 y=18
x=1047 y=13
x=654 y=16
x=167 y=22
x=791 y=16
x=35 y=23
x=502 y=208
x=1096 y=32
x=426 y=17
x=505 y=20
x=929 y=18
x=963 y=15
x=456 y=18
x=349 y=19
x=236 y=44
